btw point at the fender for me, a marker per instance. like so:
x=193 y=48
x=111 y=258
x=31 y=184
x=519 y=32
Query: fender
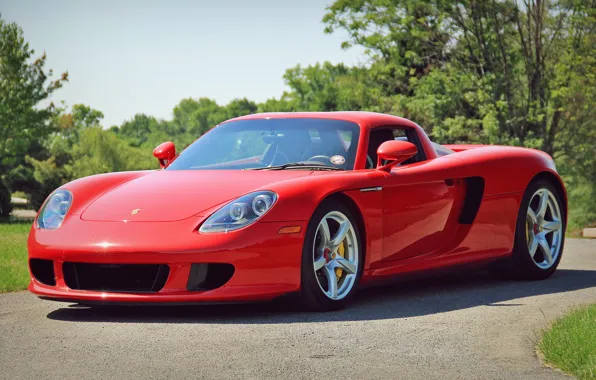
x=299 y=197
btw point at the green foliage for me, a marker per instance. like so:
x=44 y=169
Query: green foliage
x=99 y=151
x=283 y=104
x=5 y=205
x=239 y=107
x=405 y=39
x=197 y=116
x=137 y=130
x=575 y=142
x=48 y=176
x=316 y=88
x=24 y=120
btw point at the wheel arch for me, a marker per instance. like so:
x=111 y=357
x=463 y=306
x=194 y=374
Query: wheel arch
x=356 y=212
x=556 y=180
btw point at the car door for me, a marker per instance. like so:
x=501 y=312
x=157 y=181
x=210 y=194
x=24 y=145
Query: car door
x=417 y=205
x=416 y=212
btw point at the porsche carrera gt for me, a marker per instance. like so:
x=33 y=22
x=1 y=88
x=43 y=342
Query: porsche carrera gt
x=312 y=204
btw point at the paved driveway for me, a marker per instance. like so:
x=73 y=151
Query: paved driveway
x=459 y=327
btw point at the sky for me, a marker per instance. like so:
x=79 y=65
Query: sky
x=126 y=57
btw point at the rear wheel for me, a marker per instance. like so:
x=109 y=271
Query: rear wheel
x=540 y=232
x=331 y=258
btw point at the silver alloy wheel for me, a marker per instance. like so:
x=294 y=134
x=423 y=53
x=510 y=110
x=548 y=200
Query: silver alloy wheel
x=335 y=254
x=544 y=228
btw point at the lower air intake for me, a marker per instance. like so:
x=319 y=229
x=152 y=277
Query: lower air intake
x=135 y=278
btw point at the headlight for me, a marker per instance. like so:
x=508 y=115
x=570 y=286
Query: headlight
x=240 y=213
x=54 y=210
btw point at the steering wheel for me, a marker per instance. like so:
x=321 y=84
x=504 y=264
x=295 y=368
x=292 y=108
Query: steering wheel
x=369 y=162
x=319 y=157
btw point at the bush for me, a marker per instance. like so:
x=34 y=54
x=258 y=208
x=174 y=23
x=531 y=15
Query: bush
x=5 y=205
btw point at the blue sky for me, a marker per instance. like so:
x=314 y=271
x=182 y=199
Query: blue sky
x=126 y=57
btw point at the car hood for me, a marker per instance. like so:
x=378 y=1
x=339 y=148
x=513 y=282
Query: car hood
x=170 y=195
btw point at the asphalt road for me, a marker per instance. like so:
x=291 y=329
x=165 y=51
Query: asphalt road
x=467 y=326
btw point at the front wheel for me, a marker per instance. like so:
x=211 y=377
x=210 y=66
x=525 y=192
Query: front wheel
x=331 y=258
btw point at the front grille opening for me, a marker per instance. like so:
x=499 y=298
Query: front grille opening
x=43 y=271
x=145 y=278
x=209 y=276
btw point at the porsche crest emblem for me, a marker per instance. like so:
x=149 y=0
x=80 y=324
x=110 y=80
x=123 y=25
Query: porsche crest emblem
x=135 y=211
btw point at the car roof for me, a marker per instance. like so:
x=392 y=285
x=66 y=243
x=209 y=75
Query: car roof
x=364 y=119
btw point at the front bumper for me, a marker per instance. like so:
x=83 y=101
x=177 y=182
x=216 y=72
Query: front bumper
x=266 y=263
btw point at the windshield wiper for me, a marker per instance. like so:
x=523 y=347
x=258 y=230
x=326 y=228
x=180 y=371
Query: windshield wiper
x=298 y=165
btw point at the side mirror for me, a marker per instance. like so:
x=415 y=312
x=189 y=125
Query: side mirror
x=396 y=152
x=165 y=153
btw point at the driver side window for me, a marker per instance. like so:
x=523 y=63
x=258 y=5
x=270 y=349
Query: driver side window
x=379 y=135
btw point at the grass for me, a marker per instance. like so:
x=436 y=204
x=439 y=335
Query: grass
x=570 y=343
x=14 y=274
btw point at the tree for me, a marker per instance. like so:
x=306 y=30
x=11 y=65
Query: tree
x=137 y=130
x=327 y=87
x=5 y=200
x=284 y=104
x=24 y=119
x=317 y=87
x=100 y=151
x=404 y=39
x=490 y=66
x=197 y=116
x=240 y=107
x=574 y=77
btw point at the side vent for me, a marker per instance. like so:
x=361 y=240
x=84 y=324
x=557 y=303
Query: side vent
x=474 y=193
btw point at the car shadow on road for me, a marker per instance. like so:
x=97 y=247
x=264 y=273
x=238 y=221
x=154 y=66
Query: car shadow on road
x=399 y=300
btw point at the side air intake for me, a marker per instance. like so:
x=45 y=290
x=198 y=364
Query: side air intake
x=474 y=193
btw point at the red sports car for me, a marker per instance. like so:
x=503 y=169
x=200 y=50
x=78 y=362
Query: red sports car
x=315 y=204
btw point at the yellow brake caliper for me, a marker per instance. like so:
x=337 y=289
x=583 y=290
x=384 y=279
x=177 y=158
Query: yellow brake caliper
x=528 y=228
x=341 y=250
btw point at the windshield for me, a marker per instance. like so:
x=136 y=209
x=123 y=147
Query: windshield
x=261 y=143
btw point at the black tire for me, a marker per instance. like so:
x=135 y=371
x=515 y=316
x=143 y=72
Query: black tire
x=522 y=266
x=312 y=296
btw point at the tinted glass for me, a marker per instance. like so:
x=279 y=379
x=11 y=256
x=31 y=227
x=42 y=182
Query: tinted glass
x=256 y=143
